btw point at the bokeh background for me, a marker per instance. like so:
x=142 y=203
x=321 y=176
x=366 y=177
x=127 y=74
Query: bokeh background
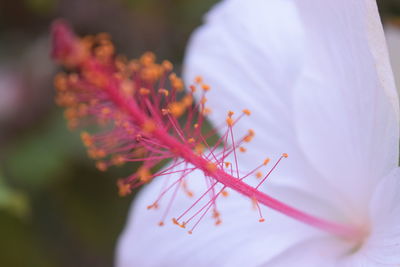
x=56 y=209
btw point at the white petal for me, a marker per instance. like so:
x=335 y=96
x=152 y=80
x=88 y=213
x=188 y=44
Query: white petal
x=383 y=245
x=252 y=58
x=345 y=104
x=239 y=241
x=311 y=253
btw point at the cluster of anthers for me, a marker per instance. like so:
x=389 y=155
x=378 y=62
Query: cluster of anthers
x=147 y=116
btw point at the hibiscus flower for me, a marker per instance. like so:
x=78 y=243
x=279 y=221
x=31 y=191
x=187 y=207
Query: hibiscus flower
x=317 y=77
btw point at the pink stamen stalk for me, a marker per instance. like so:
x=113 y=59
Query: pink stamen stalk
x=143 y=115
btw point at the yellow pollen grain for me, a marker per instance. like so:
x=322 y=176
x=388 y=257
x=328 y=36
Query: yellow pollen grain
x=205 y=87
x=211 y=167
x=144 y=174
x=199 y=148
x=206 y=111
x=229 y=121
x=163 y=91
x=101 y=166
x=118 y=160
x=87 y=139
x=247 y=112
x=187 y=100
x=167 y=65
x=198 y=79
x=176 y=109
x=60 y=82
x=149 y=126
x=124 y=189
x=144 y=91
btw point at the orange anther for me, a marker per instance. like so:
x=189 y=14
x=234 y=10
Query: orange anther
x=247 y=112
x=285 y=155
x=227 y=164
x=229 y=121
x=161 y=223
x=144 y=174
x=198 y=79
x=261 y=220
x=167 y=65
x=87 y=139
x=163 y=91
x=144 y=91
x=266 y=161
x=259 y=175
x=224 y=193
x=242 y=149
x=191 y=140
x=118 y=160
x=149 y=126
x=124 y=189
x=211 y=167
x=230 y=113
x=101 y=166
x=205 y=87
x=176 y=109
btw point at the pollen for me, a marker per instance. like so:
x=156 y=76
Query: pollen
x=167 y=65
x=149 y=126
x=124 y=189
x=259 y=175
x=176 y=109
x=285 y=155
x=229 y=121
x=101 y=166
x=60 y=82
x=144 y=91
x=205 y=87
x=266 y=161
x=144 y=174
x=211 y=167
x=227 y=164
x=242 y=149
x=198 y=79
x=118 y=160
x=163 y=91
x=247 y=112
x=87 y=139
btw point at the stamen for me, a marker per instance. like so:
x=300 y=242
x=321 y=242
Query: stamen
x=141 y=117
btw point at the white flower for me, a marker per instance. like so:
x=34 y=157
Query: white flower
x=317 y=77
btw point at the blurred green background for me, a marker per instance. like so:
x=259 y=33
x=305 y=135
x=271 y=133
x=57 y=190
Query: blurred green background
x=56 y=209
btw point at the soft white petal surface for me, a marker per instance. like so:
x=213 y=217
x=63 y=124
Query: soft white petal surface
x=252 y=58
x=345 y=104
x=239 y=241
